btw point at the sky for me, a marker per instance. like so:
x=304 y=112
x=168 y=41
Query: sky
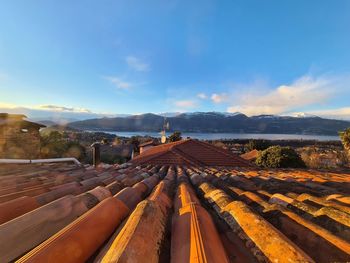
x=99 y=58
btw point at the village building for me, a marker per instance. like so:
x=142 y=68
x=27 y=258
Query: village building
x=147 y=145
x=19 y=138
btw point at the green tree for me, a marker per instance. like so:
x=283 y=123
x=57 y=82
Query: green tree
x=257 y=145
x=345 y=139
x=54 y=145
x=176 y=136
x=280 y=157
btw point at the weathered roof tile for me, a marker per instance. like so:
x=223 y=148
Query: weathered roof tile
x=236 y=215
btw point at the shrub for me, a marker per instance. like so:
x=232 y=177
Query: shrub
x=280 y=157
x=323 y=158
x=345 y=139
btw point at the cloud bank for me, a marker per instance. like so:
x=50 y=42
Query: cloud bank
x=337 y=113
x=63 y=109
x=307 y=95
x=58 y=114
x=307 y=91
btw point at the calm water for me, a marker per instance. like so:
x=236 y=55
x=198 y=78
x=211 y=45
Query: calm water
x=216 y=136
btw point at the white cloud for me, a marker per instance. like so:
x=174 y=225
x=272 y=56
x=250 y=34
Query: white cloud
x=202 y=96
x=58 y=114
x=62 y=108
x=137 y=64
x=305 y=91
x=219 y=98
x=119 y=83
x=7 y=105
x=185 y=104
x=338 y=113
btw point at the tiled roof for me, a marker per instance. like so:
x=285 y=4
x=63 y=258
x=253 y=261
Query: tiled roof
x=18 y=119
x=250 y=156
x=190 y=152
x=152 y=213
x=152 y=142
x=12 y=116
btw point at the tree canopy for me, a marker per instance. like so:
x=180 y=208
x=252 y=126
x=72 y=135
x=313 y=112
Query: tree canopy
x=257 y=145
x=176 y=136
x=55 y=145
x=280 y=157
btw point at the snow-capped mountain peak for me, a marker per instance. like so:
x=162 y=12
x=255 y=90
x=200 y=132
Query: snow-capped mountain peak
x=303 y=115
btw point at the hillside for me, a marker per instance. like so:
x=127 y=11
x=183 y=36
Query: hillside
x=217 y=122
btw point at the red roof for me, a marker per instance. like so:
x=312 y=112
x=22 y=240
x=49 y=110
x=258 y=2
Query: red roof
x=148 y=143
x=46 y=210
x=250 y=156
x=190 y=152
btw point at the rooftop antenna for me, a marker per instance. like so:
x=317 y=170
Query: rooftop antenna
x=163 y=132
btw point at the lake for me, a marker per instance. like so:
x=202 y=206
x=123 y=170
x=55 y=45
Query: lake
x=217 y=136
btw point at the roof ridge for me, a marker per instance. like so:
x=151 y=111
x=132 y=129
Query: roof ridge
x=173 y=144
x=161 y=149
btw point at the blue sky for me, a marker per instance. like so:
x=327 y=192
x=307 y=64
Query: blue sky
x=109 y=57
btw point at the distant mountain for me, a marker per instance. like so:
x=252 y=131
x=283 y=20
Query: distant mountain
x=50 y=121
x=217 y=122
x=211 y=113
x=64 y=120
x=303 y=115
x=56 y=114
x=169 y=114
x=47 y=123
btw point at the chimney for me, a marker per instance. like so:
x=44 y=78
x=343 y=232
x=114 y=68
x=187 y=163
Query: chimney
x=96 y=155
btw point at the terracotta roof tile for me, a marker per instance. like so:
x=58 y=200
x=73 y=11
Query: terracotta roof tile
x=221 y=213
x=189 y=152
x=250 y=156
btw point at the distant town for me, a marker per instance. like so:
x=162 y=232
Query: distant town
x=24 y=139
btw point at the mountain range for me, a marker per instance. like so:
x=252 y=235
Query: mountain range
x=216 y=122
